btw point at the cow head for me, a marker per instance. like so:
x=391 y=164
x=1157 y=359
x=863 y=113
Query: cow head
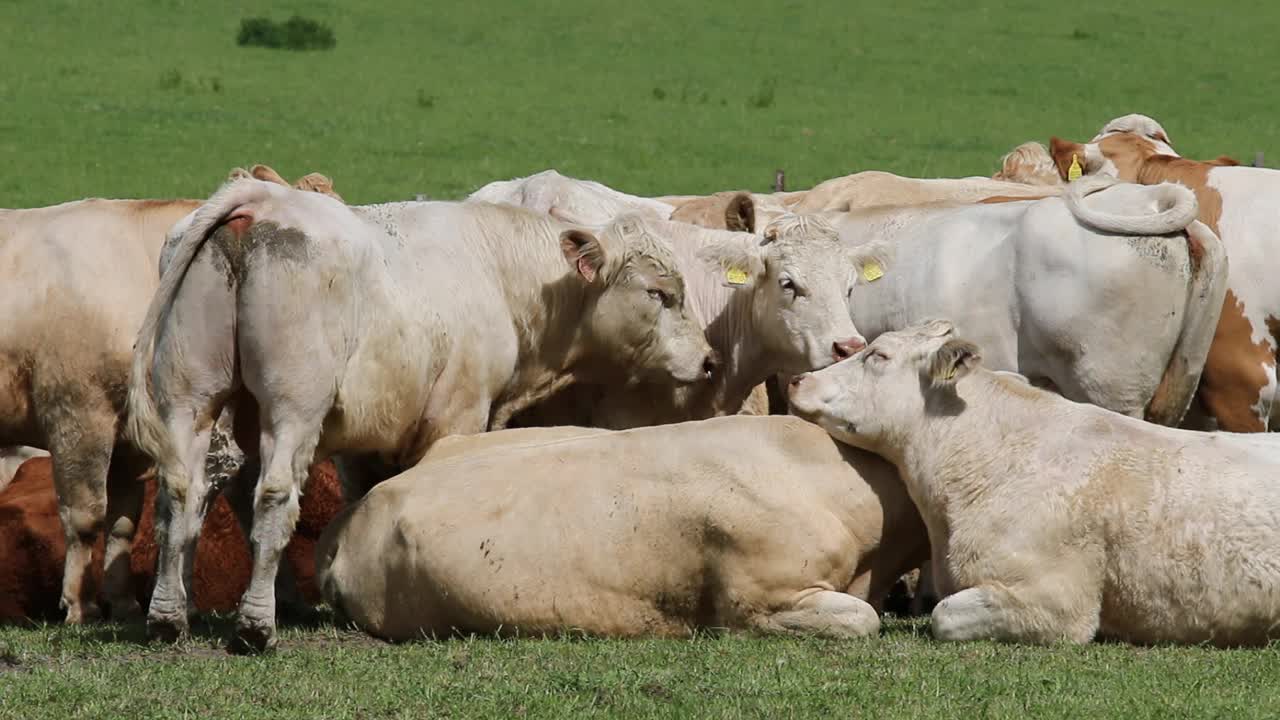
x=1029 y=164
x=799 y=274
x=1119 y=150
x=872 y=399
x=637 y=316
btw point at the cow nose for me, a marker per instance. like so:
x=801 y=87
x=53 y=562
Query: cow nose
x=842 y=349
x=709 y=365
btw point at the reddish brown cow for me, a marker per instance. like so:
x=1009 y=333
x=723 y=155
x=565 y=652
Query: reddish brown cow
x=33 y=547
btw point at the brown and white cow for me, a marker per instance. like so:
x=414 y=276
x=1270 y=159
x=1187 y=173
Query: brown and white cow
x=377 y=330
x=32 y=546
x=763 y=524
x=1242 y=205
x=75 y=280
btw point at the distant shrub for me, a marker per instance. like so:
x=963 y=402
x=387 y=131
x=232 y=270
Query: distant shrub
x=763 y=97
x=296 y=33
x=425 y=100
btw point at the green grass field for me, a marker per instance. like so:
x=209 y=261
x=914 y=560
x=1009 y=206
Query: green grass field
x=154 y=99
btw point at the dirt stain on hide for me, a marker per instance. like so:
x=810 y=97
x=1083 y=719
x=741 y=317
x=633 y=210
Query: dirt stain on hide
x=230 y=248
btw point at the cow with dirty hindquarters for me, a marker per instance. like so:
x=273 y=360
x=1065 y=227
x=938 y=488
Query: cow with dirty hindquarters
x=751 y=523
x=367 y=333
x=1242 y=205
x=1051 y=520
x=65 y=352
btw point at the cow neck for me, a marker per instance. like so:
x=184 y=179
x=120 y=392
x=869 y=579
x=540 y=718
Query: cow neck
x=951 y=460
x=729 y=321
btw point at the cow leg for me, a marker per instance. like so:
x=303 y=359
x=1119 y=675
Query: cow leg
x=124 y=506
x=287 y=451
x=183 y=498
x=81 y=432
x=1020 y=614
x=825 y=613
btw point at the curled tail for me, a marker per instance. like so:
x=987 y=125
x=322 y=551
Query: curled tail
x=144 y=427
x=1206 y=290
x=1178 y=208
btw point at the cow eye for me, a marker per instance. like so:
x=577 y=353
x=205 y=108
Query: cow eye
x=662 y=297
x=788 y=285
x=874 y=356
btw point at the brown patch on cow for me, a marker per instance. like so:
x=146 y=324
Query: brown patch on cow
x=996 y=199
x=1062 y=151
x=32 y=546
x=143 y=207
x=740 y=215
x=1235 y=370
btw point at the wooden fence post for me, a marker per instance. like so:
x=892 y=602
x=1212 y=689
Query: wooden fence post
x=420 y=197
x=779 y=181
x=1257 y=159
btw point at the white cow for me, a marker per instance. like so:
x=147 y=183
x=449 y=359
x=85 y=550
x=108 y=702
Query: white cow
x=773 y=303
x=1110 y=293
x=1056 y=521
x=741 y=522
x=581 y=201
x=378 y=329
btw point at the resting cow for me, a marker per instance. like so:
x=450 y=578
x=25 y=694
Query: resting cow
x=1242 y=205
x=752 y=523
x=374 y=331
x=64 y=365
x=32 y=547
x=1059 y=521
x=1109 y=293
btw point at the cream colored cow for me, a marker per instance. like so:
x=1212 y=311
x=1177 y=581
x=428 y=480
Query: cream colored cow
x=762 y=524
x=1052 y=520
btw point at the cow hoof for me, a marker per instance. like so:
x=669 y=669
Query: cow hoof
x=166 y=630
x=253 y=639
x=84 y=613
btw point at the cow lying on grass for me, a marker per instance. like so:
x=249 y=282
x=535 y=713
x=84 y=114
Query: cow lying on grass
x=1051 y=520
x=739 y=522
x=32 y=547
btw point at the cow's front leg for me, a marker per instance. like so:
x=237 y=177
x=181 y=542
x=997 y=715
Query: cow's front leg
x=1040 y=615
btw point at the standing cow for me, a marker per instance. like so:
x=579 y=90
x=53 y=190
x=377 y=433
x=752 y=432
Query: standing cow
x=1240 y=204
x=374 y=331
x=1062 y=289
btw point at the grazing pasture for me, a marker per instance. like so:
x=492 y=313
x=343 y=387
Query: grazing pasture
x=156 y=99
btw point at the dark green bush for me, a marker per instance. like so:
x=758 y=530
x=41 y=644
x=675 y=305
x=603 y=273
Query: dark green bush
x=296 y=33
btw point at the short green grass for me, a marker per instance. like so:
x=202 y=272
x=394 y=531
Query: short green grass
x=51 y=672
x=153 y=98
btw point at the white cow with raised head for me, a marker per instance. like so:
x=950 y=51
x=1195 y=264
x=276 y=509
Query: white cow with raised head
x=1055 y=521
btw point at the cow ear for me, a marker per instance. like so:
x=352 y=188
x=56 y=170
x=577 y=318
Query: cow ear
x=740 y=215
x=1063 y=153
x=317 y=183
x=584 y=253
x=264 y=172
x=955 y=359
x=737 y=260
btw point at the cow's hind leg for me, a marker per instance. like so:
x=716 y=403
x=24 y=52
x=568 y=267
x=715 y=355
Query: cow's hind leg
x=288 y=446
x=824 y=613
x=991 y=612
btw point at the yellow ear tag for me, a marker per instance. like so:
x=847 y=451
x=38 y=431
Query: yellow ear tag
x=1075 y=171
x=872 y=271
x=736 y=276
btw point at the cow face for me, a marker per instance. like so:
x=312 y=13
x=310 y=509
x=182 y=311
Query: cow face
x=637 y=319
x=1118 y=150
x=871 y=399
x=799 y=274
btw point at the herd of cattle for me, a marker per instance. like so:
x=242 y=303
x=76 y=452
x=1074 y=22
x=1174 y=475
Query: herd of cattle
x=532 y=403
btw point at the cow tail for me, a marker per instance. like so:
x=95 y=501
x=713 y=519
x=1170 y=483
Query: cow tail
x=1178 y=209
x=144 y=427
x=1206 y=292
